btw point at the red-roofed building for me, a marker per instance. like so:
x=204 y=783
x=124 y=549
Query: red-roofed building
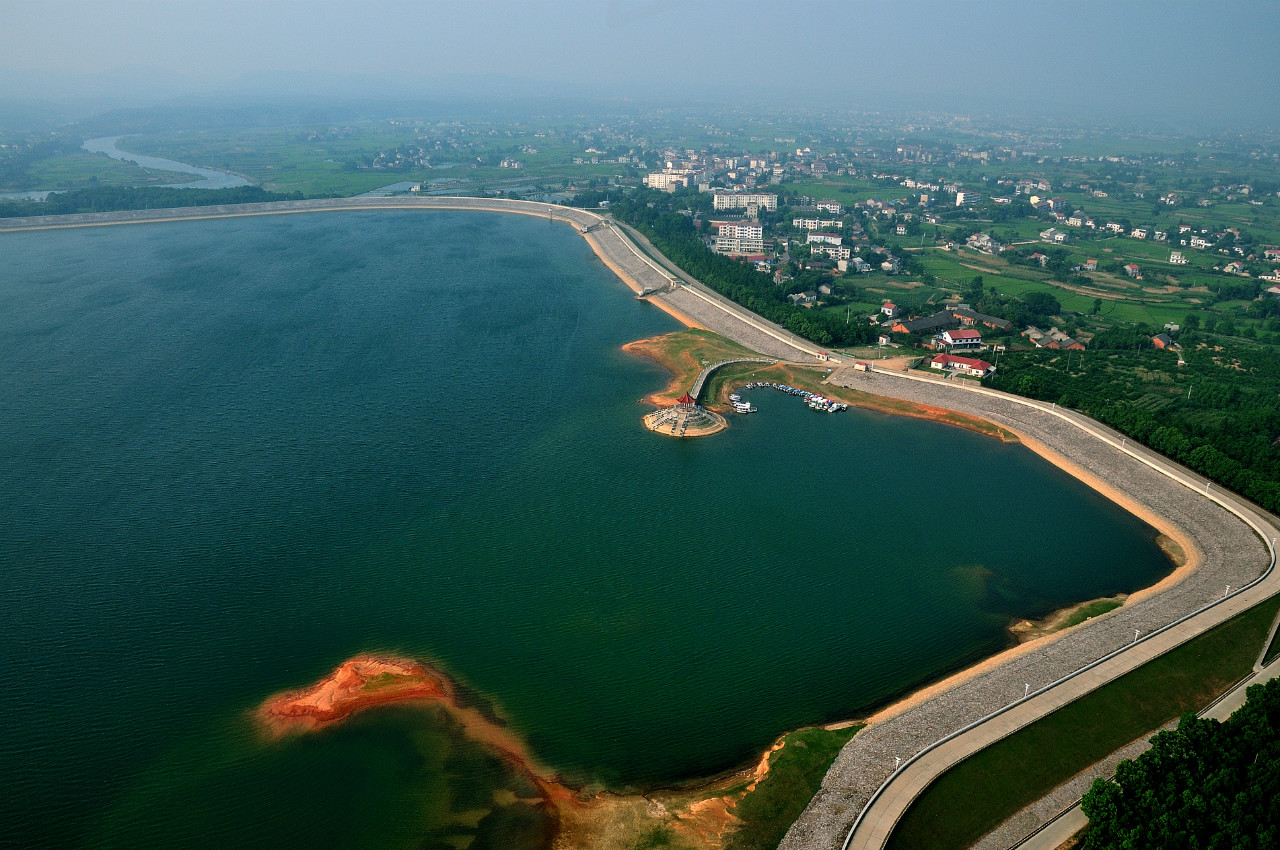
x=1132 y=270
x=964 y=365
x=965 y=338
x=889 y=309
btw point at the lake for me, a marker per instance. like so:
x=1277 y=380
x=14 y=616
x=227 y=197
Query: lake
x=240 y=451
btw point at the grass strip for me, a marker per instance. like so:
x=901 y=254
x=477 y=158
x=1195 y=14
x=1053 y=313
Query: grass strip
x=1273 y=649
x=1092 y=609
x=795 y=775
x=975 y=796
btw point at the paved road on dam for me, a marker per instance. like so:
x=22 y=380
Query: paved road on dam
x=863 y=796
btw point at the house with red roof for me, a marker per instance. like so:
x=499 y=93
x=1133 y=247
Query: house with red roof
x=964 y=365
x=965 y=338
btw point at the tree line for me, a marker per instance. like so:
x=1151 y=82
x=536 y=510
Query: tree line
x=1206 y=785
x=114 y=198
x=1218 y=414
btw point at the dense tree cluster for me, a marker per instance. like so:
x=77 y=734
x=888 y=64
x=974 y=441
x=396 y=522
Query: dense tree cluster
x=674 y=234
x=1206 y=785
x=1030 y=308
x=113 y=198
x=1219 y=414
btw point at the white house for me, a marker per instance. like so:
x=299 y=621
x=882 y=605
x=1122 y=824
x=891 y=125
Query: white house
x=742 y=200
x=964 y=365
x=739 y=237
x=964 y=338
x=814 y=223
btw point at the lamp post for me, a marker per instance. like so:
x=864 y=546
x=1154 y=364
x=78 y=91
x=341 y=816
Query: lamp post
x=1026 y=689
x=1135 y=635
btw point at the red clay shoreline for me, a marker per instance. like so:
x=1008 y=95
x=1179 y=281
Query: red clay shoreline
x=361 y=682
x=370 y=680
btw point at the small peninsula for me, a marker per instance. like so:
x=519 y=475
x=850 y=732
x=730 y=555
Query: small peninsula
x=359 y=683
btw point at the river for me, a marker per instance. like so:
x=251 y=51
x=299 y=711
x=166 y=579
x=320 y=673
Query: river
x=209 y=178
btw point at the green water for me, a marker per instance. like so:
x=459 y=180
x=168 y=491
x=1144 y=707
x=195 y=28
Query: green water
x=240 y=451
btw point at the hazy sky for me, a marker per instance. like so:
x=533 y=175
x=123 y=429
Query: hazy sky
x=1206 y=59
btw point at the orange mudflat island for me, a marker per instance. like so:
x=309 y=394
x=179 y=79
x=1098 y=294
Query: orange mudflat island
x=361 y=682
x=581 y=819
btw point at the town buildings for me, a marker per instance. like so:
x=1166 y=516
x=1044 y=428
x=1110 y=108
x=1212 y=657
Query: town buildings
x=739 y=237
x=743 y=200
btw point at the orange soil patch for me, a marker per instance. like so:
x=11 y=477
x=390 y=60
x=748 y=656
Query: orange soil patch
x=683 y=364
x=683 y=370
x=367 y=680
x=583 y=820
x=711 y=819
x=359 y=683
x=916 y=410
